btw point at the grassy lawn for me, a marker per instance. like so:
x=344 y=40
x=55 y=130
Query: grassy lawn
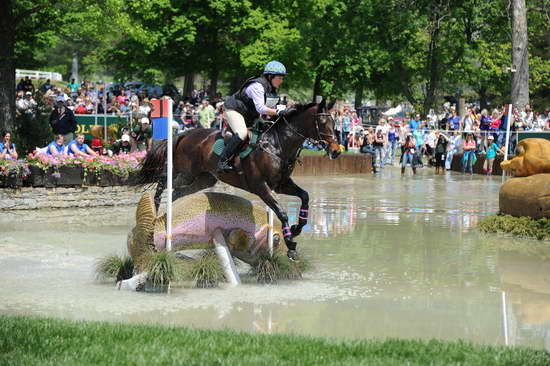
x=34 y=341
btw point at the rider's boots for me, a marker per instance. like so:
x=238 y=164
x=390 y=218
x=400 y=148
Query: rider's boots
x=231 y=148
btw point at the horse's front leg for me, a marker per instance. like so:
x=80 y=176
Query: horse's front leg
x=264 y=192
x=292 y=189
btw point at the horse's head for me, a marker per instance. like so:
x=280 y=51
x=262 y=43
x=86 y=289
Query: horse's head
x=314 y=122
x=323 y=131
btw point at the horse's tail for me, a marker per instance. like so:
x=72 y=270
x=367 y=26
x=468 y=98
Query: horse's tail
x=153 y=166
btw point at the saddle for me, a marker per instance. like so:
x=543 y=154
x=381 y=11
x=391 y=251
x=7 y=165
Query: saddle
x=251 y=142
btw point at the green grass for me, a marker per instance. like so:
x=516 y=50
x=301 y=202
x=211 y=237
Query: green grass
x=518 y=226
x=32 y=341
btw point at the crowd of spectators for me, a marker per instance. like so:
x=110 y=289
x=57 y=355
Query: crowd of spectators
x=412 y=140
x=434 y=139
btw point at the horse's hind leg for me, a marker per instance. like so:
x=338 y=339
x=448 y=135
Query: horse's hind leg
x=201 y=181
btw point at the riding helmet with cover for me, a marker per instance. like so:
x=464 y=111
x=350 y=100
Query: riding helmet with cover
x=274 y=68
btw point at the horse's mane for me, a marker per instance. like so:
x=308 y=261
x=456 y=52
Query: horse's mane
x=298 y=109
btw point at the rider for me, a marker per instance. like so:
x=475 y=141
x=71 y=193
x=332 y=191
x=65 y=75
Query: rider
x=255 y=98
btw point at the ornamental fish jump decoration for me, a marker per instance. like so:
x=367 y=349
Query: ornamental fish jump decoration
x=195 y=219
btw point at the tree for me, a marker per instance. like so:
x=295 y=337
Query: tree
x=15 y=16
x=520 y=55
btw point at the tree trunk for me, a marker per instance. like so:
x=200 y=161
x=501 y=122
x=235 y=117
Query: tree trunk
x=188 y=84
x=74 y=68
x=432 y=69
x=214 y=76
x=7 y=67
x=520 y=55
x=317 y=85
x=359 y=95
x=483 y=98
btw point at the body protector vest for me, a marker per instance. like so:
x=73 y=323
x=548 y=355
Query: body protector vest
x=242 y=103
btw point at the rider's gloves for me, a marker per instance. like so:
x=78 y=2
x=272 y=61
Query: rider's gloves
x=282 y=112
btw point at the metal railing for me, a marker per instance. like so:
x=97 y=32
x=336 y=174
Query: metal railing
x=34 y=74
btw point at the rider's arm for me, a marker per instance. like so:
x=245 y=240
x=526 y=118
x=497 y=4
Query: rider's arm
x=257 y=93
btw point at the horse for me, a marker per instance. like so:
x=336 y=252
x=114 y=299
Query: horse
x=268 y=167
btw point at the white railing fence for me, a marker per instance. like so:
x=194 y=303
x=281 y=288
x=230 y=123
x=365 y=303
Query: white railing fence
x=33 y=74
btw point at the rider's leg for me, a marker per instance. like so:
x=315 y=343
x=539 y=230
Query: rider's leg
x=238 y=126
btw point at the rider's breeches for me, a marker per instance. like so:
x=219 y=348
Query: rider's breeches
x=237 y=123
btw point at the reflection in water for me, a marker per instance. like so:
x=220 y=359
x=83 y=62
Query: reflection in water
x=393 y=257
x=526 y=285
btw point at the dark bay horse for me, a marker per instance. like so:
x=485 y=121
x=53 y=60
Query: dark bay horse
x=268 y=168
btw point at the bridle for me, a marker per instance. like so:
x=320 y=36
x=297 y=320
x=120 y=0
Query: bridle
x=320 y=142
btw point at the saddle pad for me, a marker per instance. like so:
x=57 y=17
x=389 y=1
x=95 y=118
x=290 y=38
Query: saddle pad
x=219 y=145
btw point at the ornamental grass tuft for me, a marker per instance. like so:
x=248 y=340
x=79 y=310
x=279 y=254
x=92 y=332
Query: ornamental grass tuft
x=206 y=270
x=115 y=267
x=272 y=268
x=163 y=268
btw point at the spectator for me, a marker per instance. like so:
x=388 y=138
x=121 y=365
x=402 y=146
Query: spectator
x=144 y=108
x=469 y=157
x=7 y=147
x=73 y=88
x=366 y=141
x=46 y=86
x=408 y=151
x=454 y=121
x=415 y=123
x=20 y=85
x=122 y=146
x=379 y=143
x=141 y=136
x=452 y=148
x=220 y=109
x=346 y=128
x=393 y=140
x=26 y=105
x=492 y=151
x=77 y=147
x=63 y=121
x=56 y=147
x=440 y=152
x=432 y=120
x=29 y=86
x=206 y=114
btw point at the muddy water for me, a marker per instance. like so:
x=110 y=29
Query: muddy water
x=392 y=256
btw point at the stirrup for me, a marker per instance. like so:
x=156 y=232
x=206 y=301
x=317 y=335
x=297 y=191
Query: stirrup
x=225 y=166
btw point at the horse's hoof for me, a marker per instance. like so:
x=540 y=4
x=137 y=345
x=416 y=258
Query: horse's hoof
x=295 y=230
x=292 y=255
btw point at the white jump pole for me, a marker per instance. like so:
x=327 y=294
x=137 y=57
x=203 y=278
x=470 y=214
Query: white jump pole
x=169 y=164
x=505 y=319
x=225 y=258
x=270 y=230
x=509 y=122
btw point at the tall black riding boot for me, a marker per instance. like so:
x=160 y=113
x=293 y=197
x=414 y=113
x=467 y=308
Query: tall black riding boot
x=229 y=151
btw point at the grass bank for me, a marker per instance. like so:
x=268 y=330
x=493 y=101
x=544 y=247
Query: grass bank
x=525 y=227
x=33 y=341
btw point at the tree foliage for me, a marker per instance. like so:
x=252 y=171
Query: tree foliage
x=414 y=50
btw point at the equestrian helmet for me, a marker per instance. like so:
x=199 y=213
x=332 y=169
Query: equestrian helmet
x=274 y=68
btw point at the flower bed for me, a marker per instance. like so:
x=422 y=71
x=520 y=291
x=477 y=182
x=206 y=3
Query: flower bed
x=62 y=170
x=13 y=172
